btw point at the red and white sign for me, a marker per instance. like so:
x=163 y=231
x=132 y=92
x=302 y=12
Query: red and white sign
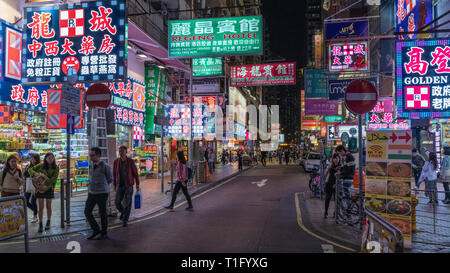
x=263 y=74
x=13 y=57
x=417 y=97
x=71 y=23
x=361 y=96
x=98 y=95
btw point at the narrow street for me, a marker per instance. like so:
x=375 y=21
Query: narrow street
x=239 y=215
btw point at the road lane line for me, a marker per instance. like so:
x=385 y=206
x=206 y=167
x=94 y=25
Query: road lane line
x=302 y=226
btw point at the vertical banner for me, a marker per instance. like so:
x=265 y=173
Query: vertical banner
x=389 y=178
x=155 y=95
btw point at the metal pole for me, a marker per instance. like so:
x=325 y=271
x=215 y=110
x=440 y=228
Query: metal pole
x=27 y=239
x=62 y=202
x=360 y=150
x=68 y=189
x=162 y=158
x=191 y=139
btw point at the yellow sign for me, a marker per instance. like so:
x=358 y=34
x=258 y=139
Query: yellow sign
x=376 y=151
x=12 y=218
x=377 y=137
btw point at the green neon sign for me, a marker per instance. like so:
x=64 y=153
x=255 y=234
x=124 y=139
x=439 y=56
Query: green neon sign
x=207 y=67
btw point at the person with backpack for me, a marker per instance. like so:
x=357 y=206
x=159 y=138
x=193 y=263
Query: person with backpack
x=50 y=171
x=31 y=197
x=182 y=178
x=429 y=175
x=12 y=178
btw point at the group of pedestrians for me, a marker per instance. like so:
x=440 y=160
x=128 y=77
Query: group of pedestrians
x=13 y=182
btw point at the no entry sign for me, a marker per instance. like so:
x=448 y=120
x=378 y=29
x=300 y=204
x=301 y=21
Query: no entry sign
x=98 y=95
x=361 y=96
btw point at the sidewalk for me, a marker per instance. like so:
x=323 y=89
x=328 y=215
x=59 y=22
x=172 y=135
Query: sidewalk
x=152 y=201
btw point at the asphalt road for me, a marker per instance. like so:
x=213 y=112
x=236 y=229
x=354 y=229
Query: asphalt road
x=238 y=216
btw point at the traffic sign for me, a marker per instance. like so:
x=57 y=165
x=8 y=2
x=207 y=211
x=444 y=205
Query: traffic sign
x=98 y=95
x=361 y=97
x=70 y=100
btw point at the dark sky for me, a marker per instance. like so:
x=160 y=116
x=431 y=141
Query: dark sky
x=286 y=22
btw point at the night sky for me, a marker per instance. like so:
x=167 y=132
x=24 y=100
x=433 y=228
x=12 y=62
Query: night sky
x=287 y=28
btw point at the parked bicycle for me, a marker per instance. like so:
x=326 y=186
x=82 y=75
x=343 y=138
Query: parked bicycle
x=347 y=203
x=314 y=182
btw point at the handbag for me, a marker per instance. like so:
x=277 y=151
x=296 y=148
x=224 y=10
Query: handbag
x=29 y=186
x=38 y=182
x=137 y=199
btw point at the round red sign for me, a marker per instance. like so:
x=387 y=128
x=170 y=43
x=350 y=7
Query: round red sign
x=70 y=62
x=361 y=96
x=98 y=95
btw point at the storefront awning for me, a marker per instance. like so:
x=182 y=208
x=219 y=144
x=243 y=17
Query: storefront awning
x=152 y=47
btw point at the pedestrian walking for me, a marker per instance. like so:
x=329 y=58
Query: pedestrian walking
x=182 y=178
x=125 y=176
x=206 y=155
x=100 y=177
x=347 y=171
x=211 y=159
x=330 y=184
x=50 y=171
x=429 y=175
x=286 y=157
x=240 y=161
x=263 y=158
x=280 y=157
x=31 y=196
x=270 y=156
x=12 y=178
x=445 y=174
x=417 y=164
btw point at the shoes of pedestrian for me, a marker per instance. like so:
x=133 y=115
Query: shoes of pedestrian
x=102 y=236
x=169 y=207
x=93 y=235
x=121 y=217
x=124 y=224
x=47 y=226
x=41 y=227
x=190 y=208
x=430 y=202
x=35 y=219
x=325 y=216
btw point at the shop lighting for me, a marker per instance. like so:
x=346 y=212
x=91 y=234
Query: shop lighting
x=161 y=66
x=142 y=55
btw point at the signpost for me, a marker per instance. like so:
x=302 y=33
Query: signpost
x=361 y=96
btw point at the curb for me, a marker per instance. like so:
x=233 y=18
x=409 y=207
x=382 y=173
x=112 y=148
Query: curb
x=152 y=213
x=310 y=224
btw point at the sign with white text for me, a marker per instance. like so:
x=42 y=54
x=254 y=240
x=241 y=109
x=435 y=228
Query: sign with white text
x=263 y=74
x=353 y=56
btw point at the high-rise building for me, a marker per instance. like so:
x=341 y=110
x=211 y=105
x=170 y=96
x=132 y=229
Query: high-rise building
x=314 y=22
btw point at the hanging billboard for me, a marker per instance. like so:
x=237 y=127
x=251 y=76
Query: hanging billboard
x=348 y=57
x=89 y=37
x=216 y=37
x=422 y=78
x=207 y=67
x=412 y=15
x=263 y=74
x=347 y=29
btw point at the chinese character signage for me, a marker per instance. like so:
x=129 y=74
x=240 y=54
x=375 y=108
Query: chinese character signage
x=205 y=86
x=155 y=96
x=422 y=78
x=216 y=37
x=353 y=56
x=336 y=88
x=382 y=117
x=125 y=98
x=333 y=118
x=316 y=83
x=88 y=37
x=411 y=15
x=263 y=74
x=347 y=29
x=321 y=107
x=202 y=67
x=180 y=121
x=388 y=182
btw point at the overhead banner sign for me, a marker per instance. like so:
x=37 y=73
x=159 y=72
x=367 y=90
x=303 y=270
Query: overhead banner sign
x=316 y=83
x=90 y=37
x=411 y=15
x=347 y=29
x=206 y=67
x=422 y=78
x=216 y=37
x=263 y=74
x=155 y=92
x=353 y=56
x=321 y=107
x=336 y=88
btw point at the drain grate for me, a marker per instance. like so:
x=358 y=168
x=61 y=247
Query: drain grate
x=53 y=238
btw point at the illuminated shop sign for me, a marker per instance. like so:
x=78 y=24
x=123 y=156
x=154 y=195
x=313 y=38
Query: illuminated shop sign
x=411 y=15
x=180 y=121
x=89 y=37
x=263 y=74
x=382 y=117
x=128 y=101
x=422 y=78
x=216 y=37
x=202 y=67
x=352 y=56
x=347 y=29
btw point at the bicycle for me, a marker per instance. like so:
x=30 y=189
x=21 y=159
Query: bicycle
x=347 y=205
x=314 y=182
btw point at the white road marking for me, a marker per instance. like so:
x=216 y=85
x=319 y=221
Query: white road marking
x=261 y=183
x=328 y=249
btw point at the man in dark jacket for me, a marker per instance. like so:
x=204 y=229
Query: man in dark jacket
x=98 y=191
x=125 y=174
x=347 y=171
x=417 y=164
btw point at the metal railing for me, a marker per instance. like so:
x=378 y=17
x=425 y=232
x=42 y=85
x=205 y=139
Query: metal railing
x=14 y=219
x=380 y=236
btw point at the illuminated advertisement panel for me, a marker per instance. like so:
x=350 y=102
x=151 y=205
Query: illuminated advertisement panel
x=352 y=56
x=422 y=84
x=263 y=74
x=411 y=15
